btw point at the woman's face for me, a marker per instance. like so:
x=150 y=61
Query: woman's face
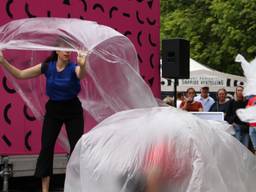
x=190 y=94
x=221 y=95
x=239 y=92
x=64 y=55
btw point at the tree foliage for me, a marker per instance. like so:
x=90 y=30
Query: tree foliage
x=217 y=29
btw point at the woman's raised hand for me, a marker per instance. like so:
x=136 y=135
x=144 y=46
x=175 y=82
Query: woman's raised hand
x=81 y=58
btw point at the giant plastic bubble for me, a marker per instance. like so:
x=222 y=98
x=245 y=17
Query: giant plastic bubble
x=113 y=83
x=179 y=151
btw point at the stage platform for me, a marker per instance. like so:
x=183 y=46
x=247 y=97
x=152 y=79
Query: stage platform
x=32 y=184
x=16 y=173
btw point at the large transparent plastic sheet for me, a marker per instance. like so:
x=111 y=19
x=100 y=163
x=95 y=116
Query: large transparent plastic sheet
x=249 y=70
x=113 y=82
x=247 y=114
x=179 y=151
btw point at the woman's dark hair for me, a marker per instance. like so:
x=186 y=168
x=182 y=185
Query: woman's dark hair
x=52 y=57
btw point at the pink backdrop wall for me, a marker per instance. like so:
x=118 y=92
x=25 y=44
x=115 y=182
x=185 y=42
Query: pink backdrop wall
x=137 y=19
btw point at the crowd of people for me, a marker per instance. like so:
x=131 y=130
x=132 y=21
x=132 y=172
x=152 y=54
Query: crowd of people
x=203 y=102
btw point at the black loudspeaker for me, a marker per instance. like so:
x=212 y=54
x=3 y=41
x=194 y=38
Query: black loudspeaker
x=175 y=59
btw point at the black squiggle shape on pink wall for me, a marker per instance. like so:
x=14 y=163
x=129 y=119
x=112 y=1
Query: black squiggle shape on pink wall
x=7 y=141
x=85 y=5
x=138 y=18
x=66 y=2
x=151 y=22
x=30 y=15
x=98 y=6
x=151 y=81
x=6 y=87
x=126 y=33
x=150 y=41
x=6 y=110
x=151 y=61
x=139 y=38
x=150 y=3
x=111 y=11
x=49 y=14
x=26 y=141
x=127 y=15
x=140 y=59
x=8 y=8
x=25 y=112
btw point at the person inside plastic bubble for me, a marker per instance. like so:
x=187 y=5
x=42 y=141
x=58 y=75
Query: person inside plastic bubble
x=160 y=149
x=136 y=145
x=63 y=107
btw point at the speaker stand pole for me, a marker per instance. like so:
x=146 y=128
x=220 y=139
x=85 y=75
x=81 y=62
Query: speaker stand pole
x=175 y=92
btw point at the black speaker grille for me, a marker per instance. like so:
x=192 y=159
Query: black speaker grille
x=175 y=59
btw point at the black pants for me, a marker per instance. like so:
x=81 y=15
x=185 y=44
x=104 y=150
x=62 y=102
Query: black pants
x=58 y=113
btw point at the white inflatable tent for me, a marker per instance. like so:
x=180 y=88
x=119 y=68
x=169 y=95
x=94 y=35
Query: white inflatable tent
x=200 y=76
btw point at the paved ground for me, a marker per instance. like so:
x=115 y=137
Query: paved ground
x=32 y=184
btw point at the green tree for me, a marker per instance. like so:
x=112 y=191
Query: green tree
x=217 y=29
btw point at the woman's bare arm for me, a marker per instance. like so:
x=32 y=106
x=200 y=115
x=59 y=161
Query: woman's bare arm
x=20 y=74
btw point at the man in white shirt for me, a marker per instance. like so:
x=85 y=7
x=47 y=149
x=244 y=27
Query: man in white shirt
x=205 y=99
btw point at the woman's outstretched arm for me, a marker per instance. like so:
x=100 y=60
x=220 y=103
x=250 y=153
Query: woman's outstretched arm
x=20 y=74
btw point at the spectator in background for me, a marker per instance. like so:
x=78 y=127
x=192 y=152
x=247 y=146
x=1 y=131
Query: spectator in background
x=205 y=99
x=222 y=103
x=241 y=128
x=189 y=104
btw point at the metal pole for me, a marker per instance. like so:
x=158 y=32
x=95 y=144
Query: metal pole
x=175 y=92
x=5 y=173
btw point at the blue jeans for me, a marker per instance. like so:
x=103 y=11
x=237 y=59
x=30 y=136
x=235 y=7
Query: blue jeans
x=252 y=133
x=242 y=136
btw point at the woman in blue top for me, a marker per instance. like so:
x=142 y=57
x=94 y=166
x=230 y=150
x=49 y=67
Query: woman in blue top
x=62 y=87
